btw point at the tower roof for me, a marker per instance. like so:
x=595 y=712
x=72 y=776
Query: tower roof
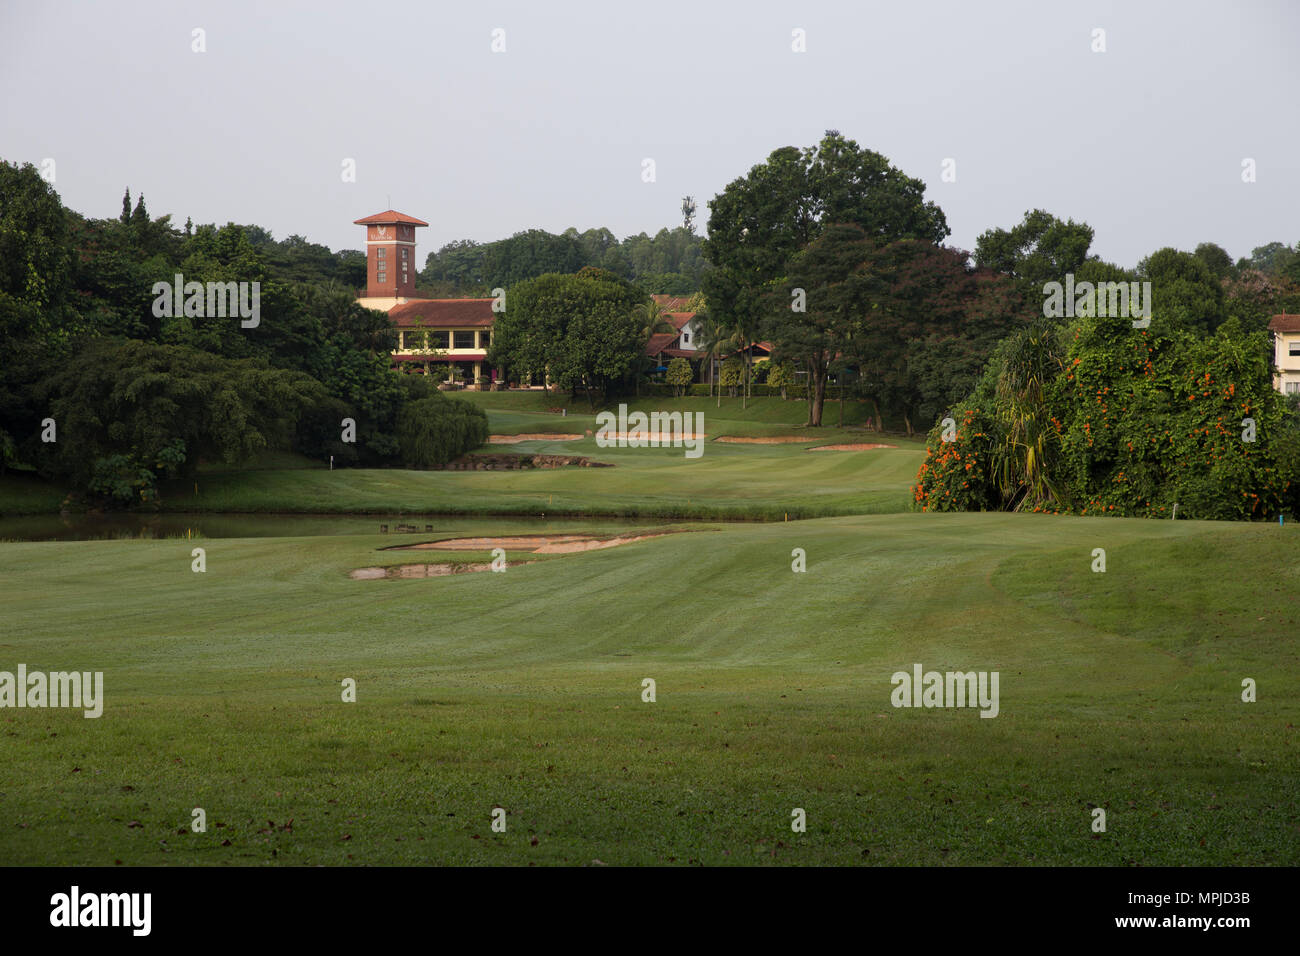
x=391 y=215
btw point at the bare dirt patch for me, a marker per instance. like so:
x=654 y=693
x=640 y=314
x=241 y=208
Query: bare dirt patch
x=853 y=446
x=769 y=440
x=536 y=543
x=535 y=436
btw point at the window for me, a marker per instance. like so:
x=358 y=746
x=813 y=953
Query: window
x=484 y=339
x=1294 y=348
x=1293 y=388
x=404 y=252
x=439 y=340
x=381 y=276
x=381 y=253
x=463 y=340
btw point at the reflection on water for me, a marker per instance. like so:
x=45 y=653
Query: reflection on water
x=95 y=527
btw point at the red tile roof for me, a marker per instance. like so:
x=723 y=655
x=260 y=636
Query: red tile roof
x=391 y=215
x=443 y=314
x=1285 y=323
x=659 y=342
x=679 y=319
x=673 y=302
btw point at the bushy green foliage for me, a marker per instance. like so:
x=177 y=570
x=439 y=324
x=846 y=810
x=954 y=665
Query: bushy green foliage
x=679 y=374
x=580 y=329
x=957 y=475
x=163 y=408
x=1155 y=418
x=732 y=373
x=1131 y=422
x=122 y=481
x=435 y=430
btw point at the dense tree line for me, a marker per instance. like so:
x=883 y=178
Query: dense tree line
x=669 y=262
x=105 y=390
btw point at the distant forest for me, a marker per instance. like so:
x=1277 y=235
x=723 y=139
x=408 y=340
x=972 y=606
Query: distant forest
x=671 y=261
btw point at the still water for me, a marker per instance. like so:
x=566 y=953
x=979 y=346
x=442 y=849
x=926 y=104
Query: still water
x=90 y=527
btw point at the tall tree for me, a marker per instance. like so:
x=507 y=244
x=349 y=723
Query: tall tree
x=579 y=330
x=760 y=222
x=1039 y=250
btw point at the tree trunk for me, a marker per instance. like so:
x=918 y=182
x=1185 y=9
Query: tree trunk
x=876 y=422
x=841 y=402
x=819 y=399
x=907 y=422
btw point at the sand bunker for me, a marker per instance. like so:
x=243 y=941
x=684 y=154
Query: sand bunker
x=665 y=440
x=421 y=570
x=770 y=440
x=515 y=439
x=856 y=446
x=536 y=543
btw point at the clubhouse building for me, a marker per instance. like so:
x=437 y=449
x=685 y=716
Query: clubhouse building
x=1286 y=352
x=436 y=333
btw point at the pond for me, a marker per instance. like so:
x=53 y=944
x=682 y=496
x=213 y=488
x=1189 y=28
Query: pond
x=90 y=527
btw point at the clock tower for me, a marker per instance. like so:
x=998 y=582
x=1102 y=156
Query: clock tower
x=390 y=254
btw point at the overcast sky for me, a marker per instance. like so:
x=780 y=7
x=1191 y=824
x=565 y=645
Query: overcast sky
x=1145 y=141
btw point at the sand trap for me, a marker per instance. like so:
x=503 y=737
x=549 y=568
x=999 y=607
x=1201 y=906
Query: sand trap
x=421 y=570
x=857 y=446
x=515 y=439
x=665 y=440
x=536 y=543
x=772 y=440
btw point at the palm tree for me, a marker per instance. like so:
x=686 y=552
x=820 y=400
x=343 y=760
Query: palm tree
x=710 y=340
x=739 y=336
x=653 y=319
x=1026 y=460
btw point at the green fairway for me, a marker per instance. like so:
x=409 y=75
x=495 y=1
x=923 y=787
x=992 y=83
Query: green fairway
x=727 y=481
x=523 y=689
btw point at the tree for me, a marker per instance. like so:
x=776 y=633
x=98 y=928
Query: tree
x=731 y=374
x=781 y=376
x=1216 y=259
x=1184 y=292
x=432 y=431
x=164 y=407
x=821 y=306
x=759 y=223
x=580 y=330
x=688 y=214
x=679 y=374
x=1039 y=250
x=710 y=340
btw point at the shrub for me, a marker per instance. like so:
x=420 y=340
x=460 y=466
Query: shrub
x=679 y=374
x=732 y=374
x=958 y=475
x=782 y=377
x=432 y=431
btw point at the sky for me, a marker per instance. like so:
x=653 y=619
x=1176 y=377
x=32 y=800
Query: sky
x=1145 y=141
